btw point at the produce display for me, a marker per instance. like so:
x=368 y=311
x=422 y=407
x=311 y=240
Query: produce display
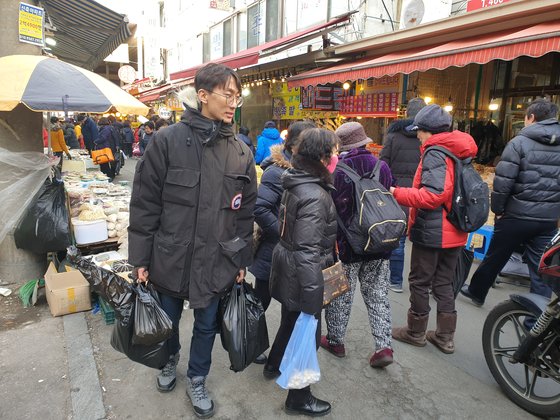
x=93 y=198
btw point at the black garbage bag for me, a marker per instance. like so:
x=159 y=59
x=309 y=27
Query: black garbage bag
x=45 y=226
x=243 y=326
x=462 y=270
x=116 y=291
x=151 y=324
x=121 y=296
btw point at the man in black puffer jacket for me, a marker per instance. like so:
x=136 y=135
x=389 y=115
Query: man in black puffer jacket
x=526 y=200
x=401 y=151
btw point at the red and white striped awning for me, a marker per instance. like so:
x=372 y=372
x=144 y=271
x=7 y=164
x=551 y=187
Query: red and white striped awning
x=532 y=41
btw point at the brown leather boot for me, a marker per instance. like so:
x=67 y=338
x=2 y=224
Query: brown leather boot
x=415 y=332
x=442 y=337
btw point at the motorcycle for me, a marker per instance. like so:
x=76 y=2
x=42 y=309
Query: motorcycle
x=521 y=343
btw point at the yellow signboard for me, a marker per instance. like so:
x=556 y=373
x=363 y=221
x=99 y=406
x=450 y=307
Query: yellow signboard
x=31 y=24
x=286 y=105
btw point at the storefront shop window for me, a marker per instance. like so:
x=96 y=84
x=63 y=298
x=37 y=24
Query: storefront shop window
x=529 y=72
x=273 y=31
x=227 y=38
x=256 y=25
x=241 y=31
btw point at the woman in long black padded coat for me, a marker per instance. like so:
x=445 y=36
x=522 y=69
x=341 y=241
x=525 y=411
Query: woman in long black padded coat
x=307 y=227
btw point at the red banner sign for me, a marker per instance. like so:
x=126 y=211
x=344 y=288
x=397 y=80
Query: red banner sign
x=371 y=104
x=483 y=4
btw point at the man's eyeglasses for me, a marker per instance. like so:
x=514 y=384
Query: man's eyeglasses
x=231 y=100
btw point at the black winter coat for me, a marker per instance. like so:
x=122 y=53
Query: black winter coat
x=191 y=211
x=267 y=207
x=527 y=181
x=401 y=151
x=307 y=235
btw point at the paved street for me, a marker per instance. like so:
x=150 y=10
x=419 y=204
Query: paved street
x=65 y=368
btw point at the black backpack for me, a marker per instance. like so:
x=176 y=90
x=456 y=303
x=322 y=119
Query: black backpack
x=378 y=221
x=471 y=196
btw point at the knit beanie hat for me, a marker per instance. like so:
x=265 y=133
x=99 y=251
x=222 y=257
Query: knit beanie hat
x=270 y=124
x=433 y=119
x=414 y=106
x=352 y=136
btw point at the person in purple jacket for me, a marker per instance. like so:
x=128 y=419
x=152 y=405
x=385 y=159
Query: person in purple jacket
x=371 y=271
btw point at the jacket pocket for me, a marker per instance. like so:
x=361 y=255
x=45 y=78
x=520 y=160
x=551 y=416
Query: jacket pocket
x=181 y=186
x=228 y=265
x=232 y=192
x=167 y=267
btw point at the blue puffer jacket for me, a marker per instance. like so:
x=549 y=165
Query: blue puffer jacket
x=268 y=138
x=267 y=207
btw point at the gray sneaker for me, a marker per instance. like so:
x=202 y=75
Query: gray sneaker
x=167 y=378
x=202 y=404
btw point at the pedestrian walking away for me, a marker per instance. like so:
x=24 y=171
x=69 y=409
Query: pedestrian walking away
x=401 y=151
x=191 y=220
x=525 y=199
x=436 y=242
x=268 y=138
x=128 y=138
x=107 y=139
x=266 y=216
x=90 y=131
x=371 y=271
x=307 y=231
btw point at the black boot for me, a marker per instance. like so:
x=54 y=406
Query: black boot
x=301 y=401
x=270 y=372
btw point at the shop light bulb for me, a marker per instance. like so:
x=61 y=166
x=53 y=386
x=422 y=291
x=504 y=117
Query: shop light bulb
x=50 y=41
x=493 y=106
x=359 y=118
x=428 y=100
x=246 y=91
x=448 y=107
x=346 y=86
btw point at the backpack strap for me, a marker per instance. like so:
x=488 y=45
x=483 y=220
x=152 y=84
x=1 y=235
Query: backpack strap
x=376 y=172
x=445 y=151
x=351 y=173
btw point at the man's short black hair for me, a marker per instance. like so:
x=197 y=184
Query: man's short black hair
x=212 y=75
x=316 y=144
x=542 y=109
x=81 y=117
x=244 y=131
x=150 y=124
x=294 y=130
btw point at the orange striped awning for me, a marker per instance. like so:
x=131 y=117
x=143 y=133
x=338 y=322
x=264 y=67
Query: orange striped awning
x=532 y=41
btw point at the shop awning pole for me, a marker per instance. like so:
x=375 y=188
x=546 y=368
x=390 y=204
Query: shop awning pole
x=49 y=150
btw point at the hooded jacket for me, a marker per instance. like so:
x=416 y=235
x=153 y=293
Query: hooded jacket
x=191 y=211
x=105 y=139
x=307 y=235
x=70 y=136
x=431 y=193
x=90 y=132
x=268 y=138
x=267 y=207
x=527 y=181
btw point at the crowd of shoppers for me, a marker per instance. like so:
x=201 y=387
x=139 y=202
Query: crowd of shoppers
x=195 y=198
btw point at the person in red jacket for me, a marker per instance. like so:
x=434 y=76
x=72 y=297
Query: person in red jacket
x=436 y=243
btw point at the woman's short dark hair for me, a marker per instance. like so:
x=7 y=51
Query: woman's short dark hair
x=294 y=131
x=212 y=75
x=542 y=109
x=244 y=131
x=160 y=123
x=150 y=124
x=54 y=120
x=316 y=144
x=103 y=121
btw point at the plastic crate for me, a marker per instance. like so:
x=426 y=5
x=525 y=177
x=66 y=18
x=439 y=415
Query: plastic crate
x=107 y=311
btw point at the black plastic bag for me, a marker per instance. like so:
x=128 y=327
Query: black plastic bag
x=45 y=226
x=243 y=328
x=121 y=296
x=115 y=290
x=462 y=270
x=151 y=323
x=154 y=356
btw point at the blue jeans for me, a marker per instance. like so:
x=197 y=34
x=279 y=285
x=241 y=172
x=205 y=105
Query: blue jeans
x=204 y=332
x=396 y=263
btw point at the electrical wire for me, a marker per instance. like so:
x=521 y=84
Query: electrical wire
x=388 y=14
